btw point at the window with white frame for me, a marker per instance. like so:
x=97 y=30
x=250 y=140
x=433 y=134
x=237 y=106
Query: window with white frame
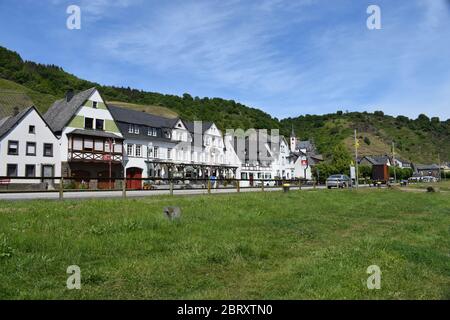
x=130 y=128
x=138 y=150
x=130 y=150
x=150 y=151
x=152 y=132
x=136 y=129
x=155 y=152
x=169 y=153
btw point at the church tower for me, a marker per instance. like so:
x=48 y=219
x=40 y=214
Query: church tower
x=293 y=140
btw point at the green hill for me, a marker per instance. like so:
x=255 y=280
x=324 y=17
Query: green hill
x=419 y=140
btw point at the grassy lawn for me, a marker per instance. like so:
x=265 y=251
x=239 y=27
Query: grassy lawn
x=301 y=245
x=442 y=186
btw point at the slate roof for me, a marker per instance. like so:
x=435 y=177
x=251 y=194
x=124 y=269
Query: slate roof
x=205 y=126
x=308 y=145
x=427 y=167
x=140 y=118
x=8 y=123
x=376 y=160
x=61 y=112
x=94 y=133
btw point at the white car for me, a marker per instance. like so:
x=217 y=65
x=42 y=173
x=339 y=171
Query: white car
x=429 y=179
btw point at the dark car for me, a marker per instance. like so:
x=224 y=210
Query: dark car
x=338 y=181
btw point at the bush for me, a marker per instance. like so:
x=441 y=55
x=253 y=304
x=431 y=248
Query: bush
x=365 y=172
x=402 y=173
x=367 y=141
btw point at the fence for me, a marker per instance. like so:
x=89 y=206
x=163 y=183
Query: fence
x=62 y=185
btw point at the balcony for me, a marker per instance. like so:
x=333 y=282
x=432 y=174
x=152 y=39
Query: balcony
x=94 y=146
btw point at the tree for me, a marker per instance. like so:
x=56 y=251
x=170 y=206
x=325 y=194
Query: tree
x=365 y=171
x=341 y=158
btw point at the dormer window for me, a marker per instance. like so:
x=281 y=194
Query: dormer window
x=99 y=124
x=152 y=132
x=133 y=129
x=88 y=123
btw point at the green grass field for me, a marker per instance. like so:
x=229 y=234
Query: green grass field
x=442 y=186
x=301 y=245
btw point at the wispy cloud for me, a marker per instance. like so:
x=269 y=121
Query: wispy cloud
x=286 y=57
x=219 y=41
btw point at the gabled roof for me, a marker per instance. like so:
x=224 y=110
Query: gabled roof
x=376 y=160
x=61 y=112
x=206 y=125
x=8 y=123
x=140 y=118
x=308 y=145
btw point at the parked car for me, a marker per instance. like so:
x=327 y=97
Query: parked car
x=338 y=181
x=258 y=183
x=429 y=179
x=414 y=179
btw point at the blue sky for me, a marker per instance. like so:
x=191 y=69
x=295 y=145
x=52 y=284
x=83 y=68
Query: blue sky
x=285 y=57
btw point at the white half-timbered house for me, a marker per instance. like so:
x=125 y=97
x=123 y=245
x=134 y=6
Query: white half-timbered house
x=91 y=145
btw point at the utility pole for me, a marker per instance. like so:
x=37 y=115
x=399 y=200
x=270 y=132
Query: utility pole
x=356 y=161
x=393 y=159
x=439 y=164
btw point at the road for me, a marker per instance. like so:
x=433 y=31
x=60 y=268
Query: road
x=130 y=194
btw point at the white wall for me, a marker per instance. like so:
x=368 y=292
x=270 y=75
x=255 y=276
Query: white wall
x=85 y=112
x=42 y=135
x=132 y=161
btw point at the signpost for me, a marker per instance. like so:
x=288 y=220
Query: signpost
x=356 y=160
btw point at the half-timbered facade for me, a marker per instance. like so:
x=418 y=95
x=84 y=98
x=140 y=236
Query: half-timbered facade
x=91 y=145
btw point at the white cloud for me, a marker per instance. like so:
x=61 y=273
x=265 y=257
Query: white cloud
x=223 y=42
x=252 y=50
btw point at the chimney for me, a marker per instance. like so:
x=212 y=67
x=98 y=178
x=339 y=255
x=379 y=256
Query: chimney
x=15 y=111
x=69 y=95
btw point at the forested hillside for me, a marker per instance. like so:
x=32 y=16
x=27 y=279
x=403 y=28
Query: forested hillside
x=419 y=140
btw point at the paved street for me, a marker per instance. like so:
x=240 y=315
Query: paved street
x=131 y=194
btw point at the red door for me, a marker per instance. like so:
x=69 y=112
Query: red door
x=134 y=173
